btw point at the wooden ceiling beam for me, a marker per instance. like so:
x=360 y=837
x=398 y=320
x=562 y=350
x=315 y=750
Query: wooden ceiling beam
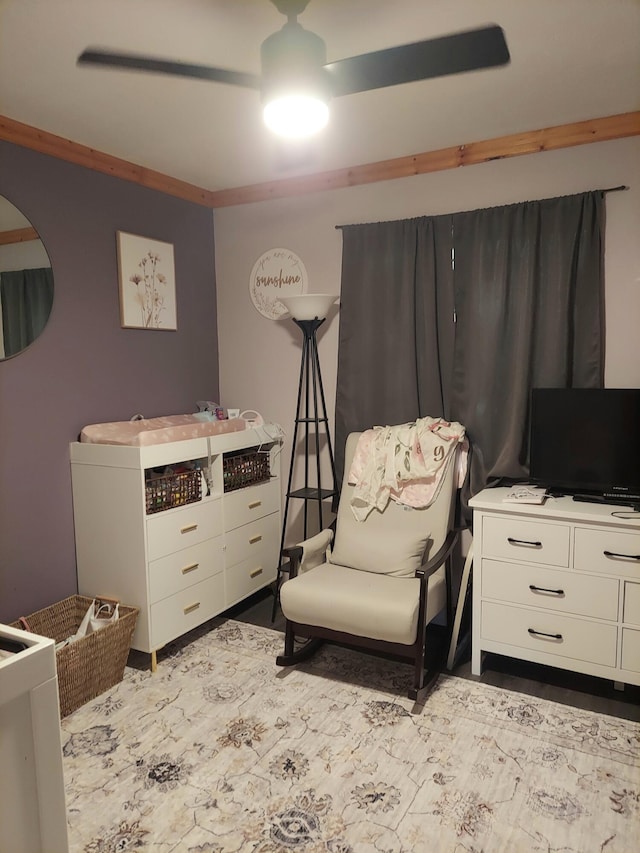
x=18 y=235
x=73 y=152
x=513 y=145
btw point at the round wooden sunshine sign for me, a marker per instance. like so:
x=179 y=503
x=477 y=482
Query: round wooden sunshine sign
x=276 y=273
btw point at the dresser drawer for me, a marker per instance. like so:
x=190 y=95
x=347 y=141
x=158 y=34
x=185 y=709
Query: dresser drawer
x=631 y=607
x=580 y=639
x=552 y=589
x=611 y=551
x=184 y=568
x=248 y=576
x=258 y=540
x=185 y=610
x=172 y=531
x=531 y=541
x=245 y=505
x=631 y=650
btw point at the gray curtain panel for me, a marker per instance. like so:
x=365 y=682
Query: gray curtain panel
x=396 y=329
x=520 y=305
x=529 y=292
x=26 y=297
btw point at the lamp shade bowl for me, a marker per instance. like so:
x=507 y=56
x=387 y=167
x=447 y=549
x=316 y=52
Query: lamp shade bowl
x=308 y=306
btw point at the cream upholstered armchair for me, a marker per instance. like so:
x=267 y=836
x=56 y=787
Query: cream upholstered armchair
x=376 y=583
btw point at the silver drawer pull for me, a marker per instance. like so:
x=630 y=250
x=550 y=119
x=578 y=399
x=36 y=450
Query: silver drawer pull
x=191 y=608
x=188 y=528
x=255 y=504
x=255 y=539
x=255 y=572
x=543 y=634
x=524 y=542
x=622 y=556
x=190 y=568
x=545 y=589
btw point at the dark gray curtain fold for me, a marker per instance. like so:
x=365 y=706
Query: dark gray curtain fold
x=526 y=291
x=26 y=297
x=434 y=322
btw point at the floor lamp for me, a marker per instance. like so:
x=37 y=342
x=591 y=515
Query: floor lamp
x=308 y=311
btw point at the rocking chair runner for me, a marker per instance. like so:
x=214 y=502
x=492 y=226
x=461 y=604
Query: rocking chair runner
x=375 y=584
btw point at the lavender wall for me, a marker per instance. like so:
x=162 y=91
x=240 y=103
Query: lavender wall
x=85 y=368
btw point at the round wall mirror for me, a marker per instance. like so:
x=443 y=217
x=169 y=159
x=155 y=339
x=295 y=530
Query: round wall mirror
x=26 y=282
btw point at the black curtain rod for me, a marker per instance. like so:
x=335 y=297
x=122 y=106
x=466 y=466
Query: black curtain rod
x=606 y=190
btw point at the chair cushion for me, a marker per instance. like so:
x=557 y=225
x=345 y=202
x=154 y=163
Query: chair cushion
x=392 y=542
x=361 y=603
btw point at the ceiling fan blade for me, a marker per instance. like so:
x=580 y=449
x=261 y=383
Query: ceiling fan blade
x=467 y=51
x=96 y=56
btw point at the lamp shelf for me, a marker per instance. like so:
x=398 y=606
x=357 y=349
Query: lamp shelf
x=310 y=494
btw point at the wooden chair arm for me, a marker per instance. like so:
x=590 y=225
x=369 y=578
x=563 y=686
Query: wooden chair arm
x=432 y=565
x=294 y=555
x=293 y=552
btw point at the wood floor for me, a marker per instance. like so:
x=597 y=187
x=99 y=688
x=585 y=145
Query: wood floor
x=557 y=685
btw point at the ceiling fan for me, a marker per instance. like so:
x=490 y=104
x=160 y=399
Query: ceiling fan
x=295 y=69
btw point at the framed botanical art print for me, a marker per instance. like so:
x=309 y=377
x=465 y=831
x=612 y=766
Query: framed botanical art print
x=146 y=274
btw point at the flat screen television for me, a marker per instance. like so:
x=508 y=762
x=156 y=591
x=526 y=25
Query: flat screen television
x=585 y=442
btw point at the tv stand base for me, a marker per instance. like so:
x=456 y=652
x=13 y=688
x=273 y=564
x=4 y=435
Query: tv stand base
x=602 y=499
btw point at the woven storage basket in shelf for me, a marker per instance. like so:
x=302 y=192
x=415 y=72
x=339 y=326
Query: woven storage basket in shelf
x=244 y=468
x=166 y=492
x=86 y=667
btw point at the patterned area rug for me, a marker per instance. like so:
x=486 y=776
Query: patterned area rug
x=220 y=750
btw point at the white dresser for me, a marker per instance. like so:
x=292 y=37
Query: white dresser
x=33 y=813
x=184 y=565
x=557 y=584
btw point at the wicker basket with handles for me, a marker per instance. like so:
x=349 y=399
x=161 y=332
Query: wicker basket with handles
x=93 y=664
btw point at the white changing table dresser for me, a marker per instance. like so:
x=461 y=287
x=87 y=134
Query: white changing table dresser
x=557 y=584
x=186 y=564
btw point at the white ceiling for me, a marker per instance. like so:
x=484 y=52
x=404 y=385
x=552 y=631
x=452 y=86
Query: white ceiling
x=570 y=60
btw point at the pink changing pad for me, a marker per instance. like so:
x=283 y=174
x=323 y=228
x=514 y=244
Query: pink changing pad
x=157 y=430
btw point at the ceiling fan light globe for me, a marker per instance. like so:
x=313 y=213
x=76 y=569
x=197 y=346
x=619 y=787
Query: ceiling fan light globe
x=296 y=116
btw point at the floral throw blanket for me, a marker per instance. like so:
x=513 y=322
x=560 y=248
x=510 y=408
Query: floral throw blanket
x=405 y=463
